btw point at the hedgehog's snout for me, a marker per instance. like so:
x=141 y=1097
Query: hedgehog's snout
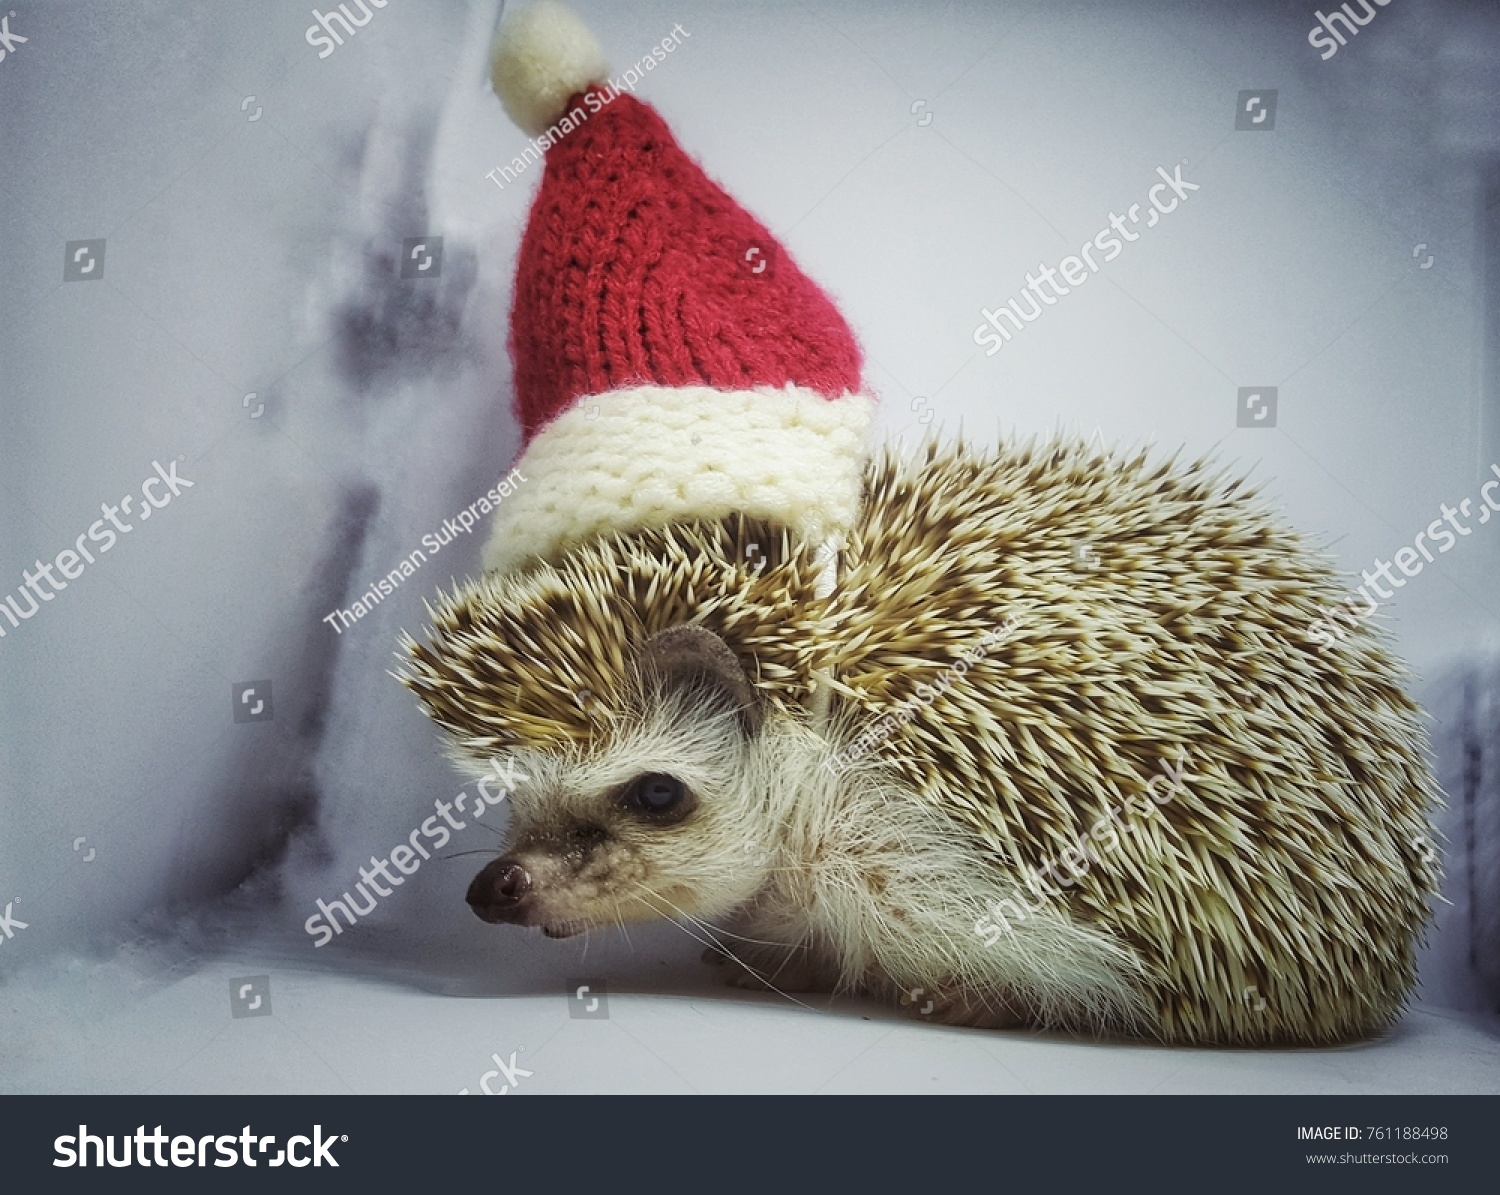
x=500 y=893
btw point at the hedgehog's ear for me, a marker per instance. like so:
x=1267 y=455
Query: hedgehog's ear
x=694 y=655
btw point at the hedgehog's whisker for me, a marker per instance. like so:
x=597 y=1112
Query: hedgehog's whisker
x=712 y=941
x=483 y=851
x=719 y=929
x=711 y=930
x=787 y=959
x=620 y=921
x=717 y=945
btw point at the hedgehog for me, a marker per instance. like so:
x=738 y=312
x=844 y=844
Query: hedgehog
x=686 y=708
x=1040 y=735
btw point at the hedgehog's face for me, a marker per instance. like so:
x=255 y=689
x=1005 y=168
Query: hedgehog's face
x=666 y=820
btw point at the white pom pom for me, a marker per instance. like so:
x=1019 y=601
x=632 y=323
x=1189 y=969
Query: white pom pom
x=542 y=57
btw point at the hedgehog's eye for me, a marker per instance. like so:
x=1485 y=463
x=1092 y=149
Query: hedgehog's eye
x=659 y=797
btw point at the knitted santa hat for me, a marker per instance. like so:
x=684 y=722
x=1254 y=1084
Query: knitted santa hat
x=671 y=361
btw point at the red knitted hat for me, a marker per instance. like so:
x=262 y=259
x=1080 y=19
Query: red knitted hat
x=671 y=360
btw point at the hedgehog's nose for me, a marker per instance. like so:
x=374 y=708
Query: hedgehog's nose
x=499 y=891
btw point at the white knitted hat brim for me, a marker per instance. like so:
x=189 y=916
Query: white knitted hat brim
x=654 y=455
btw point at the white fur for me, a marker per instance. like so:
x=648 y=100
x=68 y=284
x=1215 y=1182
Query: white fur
x=848 y=882
x=888 y=889
x=651 y=455
x=542 y=57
